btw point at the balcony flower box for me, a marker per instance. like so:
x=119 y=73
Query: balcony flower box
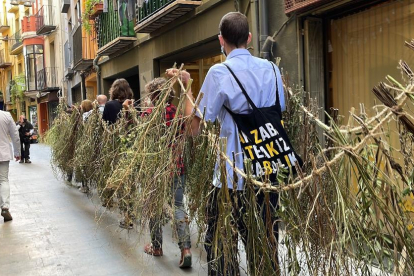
x=97 y=10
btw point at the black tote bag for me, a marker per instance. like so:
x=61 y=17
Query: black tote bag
x=263 y=138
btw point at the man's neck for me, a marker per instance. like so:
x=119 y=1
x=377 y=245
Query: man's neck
x=232 y=48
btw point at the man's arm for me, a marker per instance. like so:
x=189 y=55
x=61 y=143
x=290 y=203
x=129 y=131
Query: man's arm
x=14 y=135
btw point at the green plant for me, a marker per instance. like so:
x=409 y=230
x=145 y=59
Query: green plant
x=89 y=9
x=17 y=88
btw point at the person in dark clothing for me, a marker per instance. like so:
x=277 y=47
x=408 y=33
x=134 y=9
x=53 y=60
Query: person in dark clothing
x=120 y=91
x=25 y=133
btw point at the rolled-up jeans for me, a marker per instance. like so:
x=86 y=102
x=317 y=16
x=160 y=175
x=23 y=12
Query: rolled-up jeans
x=180 y=218
x=4 y=185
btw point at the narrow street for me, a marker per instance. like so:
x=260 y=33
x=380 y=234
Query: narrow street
x=55 y=231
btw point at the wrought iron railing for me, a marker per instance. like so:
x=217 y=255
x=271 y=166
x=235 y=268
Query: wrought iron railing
x=110 y=26
x=47 y=78
x=83 y=45
x=45 y=17
x=15 y=41
x=150 y=7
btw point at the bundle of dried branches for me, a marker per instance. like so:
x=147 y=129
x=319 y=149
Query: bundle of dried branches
x=346 y=211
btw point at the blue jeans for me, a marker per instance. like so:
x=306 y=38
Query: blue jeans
x=180 y=218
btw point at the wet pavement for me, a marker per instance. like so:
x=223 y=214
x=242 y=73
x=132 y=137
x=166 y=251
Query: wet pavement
x=56 y=231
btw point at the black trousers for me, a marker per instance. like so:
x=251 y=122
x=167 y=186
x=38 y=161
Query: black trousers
x=25 y=149
x=218 y=264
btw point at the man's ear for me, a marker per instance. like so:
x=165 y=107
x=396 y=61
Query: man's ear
x=221 y=39
x=249 y=38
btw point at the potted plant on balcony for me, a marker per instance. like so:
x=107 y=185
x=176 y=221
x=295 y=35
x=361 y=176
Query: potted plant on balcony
x=92 y=9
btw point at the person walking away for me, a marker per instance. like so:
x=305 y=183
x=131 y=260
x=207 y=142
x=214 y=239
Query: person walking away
x=120 y=91
x=86 y=109
x=177 y=187
x=101 y=99
x=242 y=89
x=25 y=132
x=8 y=131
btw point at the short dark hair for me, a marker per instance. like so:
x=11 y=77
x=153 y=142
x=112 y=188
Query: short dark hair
x=120 y=90
x=234 y=28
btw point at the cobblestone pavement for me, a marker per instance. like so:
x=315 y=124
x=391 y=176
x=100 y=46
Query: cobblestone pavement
x=55 y=231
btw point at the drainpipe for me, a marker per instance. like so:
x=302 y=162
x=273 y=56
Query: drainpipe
x=98 y=73
x=265 y=44
x=83 y=86
x=254 y=9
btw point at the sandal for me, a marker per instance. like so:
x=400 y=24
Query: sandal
x=150 y=250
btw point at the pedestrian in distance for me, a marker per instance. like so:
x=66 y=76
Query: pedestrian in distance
x=25 y=131
x=86 y=109
x=101 y=100
x=245 y=94
x=8 y=131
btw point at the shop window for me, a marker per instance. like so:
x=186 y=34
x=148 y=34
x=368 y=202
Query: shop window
x=364 y=48
x=33 y=116
x=199 y=68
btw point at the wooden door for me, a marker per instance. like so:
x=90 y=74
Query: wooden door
x=43 y=118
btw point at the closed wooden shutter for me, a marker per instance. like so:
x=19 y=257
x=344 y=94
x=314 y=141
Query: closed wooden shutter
x=364 y=48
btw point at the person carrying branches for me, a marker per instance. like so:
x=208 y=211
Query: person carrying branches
x=245 y=94
x=181 y=223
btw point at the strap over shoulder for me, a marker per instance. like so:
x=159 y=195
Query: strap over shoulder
x=241 y=87
x=277 y=103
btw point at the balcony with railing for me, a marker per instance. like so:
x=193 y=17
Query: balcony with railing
x=45 y=20
x=68 y=71
x=4 y=23
x=84 y=48
x=64 y=8
x=155 y=14
x=5 y=60
x=302 y=5
x=47 y=79
x=15 y=43
x=114 y=33
x=29 y=25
